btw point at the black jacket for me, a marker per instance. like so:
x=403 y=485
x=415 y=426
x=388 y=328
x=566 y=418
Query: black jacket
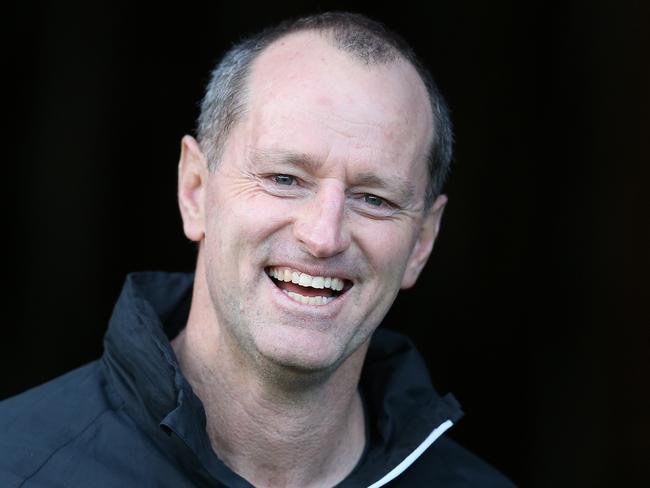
x=131 y=419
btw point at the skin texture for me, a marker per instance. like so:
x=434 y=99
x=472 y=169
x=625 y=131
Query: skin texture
x=278 y=378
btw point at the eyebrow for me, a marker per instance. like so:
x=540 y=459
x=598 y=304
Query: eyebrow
x=399 y=187
x=305 y=161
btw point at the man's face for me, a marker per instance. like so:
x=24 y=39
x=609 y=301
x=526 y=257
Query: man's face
x=321 y=182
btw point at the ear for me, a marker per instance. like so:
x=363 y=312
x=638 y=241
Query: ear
x=424 y=244
x=192 y=180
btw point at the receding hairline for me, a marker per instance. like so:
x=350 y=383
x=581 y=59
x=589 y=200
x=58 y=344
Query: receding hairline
x=354 y=42
x=396 y=59
x=365 y=40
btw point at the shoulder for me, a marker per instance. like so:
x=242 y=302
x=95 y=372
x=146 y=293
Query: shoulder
x=43 y=420
x=69 y=400
x=446 y=463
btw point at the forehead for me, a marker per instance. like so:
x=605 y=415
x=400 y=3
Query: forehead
x=305 y=95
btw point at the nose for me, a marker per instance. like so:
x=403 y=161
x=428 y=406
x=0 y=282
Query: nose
x=320 y=225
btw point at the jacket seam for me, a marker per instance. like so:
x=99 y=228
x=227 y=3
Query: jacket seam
x=407 y=466
x=49 y=458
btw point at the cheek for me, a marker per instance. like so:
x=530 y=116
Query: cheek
x=240 y=204
x=262 y=213
x=241 y=227
x=387 y=247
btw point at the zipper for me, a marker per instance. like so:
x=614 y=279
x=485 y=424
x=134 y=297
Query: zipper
x=410 y=459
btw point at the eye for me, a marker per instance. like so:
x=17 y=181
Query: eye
x=373 y=200
x=287 y=180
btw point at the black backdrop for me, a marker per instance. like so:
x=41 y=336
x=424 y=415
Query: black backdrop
x=533 y=309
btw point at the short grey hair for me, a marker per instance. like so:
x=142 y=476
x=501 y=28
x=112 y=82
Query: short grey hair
x=367 y=40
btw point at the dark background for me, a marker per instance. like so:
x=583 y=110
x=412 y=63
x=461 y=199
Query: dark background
x=534 y=307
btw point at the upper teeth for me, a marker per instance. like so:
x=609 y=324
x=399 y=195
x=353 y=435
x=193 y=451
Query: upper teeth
x=303 y=279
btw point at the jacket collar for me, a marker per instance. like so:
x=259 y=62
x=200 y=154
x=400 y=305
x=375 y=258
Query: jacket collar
x=144 y=378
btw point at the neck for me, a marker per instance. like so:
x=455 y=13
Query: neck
x=272 y=426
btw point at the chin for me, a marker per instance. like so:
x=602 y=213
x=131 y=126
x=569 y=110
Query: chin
x=302 y=351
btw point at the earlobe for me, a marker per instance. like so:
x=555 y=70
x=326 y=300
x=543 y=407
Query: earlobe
x=192 y=178
x=424 y=243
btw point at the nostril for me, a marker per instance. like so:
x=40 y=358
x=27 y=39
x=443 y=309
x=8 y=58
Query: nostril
x=323 y=244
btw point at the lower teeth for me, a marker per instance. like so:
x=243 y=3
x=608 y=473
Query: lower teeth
x=309 y=300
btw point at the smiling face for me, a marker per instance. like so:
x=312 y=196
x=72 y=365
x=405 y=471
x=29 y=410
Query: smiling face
x=313 y=219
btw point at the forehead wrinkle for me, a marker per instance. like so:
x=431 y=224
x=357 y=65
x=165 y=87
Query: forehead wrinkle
x=303 y=160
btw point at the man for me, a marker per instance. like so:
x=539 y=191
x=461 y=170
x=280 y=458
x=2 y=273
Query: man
x=313 y=193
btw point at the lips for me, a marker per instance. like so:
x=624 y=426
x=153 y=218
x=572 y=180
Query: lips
x=308 y=289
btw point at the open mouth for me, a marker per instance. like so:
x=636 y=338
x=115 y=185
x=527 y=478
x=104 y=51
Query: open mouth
x=308 y=289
